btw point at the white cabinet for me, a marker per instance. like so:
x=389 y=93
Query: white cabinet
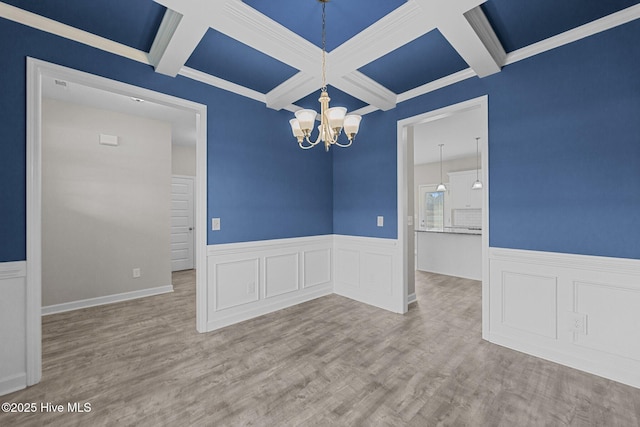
x=460 y=192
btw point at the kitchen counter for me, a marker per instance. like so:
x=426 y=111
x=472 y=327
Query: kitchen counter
x=454 y=253
x=451 y=230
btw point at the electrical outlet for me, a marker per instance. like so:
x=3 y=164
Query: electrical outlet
x=578 y=323
x=136 y=273
x=251 y=288
x=380 y=221
x=215 y=224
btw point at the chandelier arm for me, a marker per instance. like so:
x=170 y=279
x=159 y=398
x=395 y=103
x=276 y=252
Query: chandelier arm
x=344 y=145
x=306 y=147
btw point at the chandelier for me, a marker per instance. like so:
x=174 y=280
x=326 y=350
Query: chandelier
x=332 y=120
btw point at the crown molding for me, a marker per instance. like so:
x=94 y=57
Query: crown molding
x=437 y=84
x=222 y=84
x=50 y=26
x=606 y=23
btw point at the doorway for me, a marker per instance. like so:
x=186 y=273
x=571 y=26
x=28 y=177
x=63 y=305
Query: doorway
x=36 y=71
x=406 y=217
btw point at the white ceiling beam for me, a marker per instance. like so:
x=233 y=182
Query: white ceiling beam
x=293 y=89
x=365 y=89
x=177 y=38
x=399 y=27
x=459 y=32
x=471 y=36
x=480 y=24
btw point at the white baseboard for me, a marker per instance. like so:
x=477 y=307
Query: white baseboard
x=107 y=299
x=412 y=298
x=577 y=310
x=625 y=372
x=13 y=383
x=256 y=310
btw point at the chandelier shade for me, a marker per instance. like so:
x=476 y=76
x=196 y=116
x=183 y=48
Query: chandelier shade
x=333 y=121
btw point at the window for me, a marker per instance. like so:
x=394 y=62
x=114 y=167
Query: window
x=434 y=210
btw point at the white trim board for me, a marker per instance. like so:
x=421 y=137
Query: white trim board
x=107 y=299
x=36 y=69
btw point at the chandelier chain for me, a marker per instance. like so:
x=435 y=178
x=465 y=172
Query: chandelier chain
x=324 y=48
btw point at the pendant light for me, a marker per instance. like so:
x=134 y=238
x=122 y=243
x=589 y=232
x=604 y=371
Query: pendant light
x=441 y=187
x=478 y=184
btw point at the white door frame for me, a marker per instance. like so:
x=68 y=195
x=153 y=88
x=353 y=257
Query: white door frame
x=36 y=69
x=403 y=169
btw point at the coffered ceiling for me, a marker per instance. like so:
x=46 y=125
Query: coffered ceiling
x=380 y=52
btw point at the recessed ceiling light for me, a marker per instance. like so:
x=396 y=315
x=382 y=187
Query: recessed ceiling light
x=133 y=98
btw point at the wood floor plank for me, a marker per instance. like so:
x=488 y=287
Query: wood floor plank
x=330 y=361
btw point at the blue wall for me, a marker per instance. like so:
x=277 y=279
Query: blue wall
x=260 y=184
x=564 y=150
x=564 y=132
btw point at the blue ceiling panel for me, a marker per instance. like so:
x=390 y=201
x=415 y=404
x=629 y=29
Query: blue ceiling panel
x=131 y=22
x=421 y=61
x=338 y=99
x=228 y=59
x=521 y=23
x=345 y=18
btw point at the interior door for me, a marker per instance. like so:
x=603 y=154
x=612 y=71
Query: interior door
x=182 y=224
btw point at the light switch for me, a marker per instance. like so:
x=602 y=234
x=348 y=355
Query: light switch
x=410 y=220
x=380 y=221
x=215 y=224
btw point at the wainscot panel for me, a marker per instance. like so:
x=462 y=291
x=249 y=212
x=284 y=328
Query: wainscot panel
x=249 y=279
x=12 y=327
x=577 y=310
x=365 y=270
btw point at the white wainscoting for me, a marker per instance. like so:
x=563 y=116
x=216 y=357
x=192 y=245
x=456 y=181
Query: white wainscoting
x=13 y=369
x=580 y=311
x=365 y=269
x=246 y=280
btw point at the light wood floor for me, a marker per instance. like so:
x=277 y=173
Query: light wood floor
x=331 y=361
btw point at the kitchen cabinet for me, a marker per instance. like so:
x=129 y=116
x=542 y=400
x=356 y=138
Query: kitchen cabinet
x=460 y=192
